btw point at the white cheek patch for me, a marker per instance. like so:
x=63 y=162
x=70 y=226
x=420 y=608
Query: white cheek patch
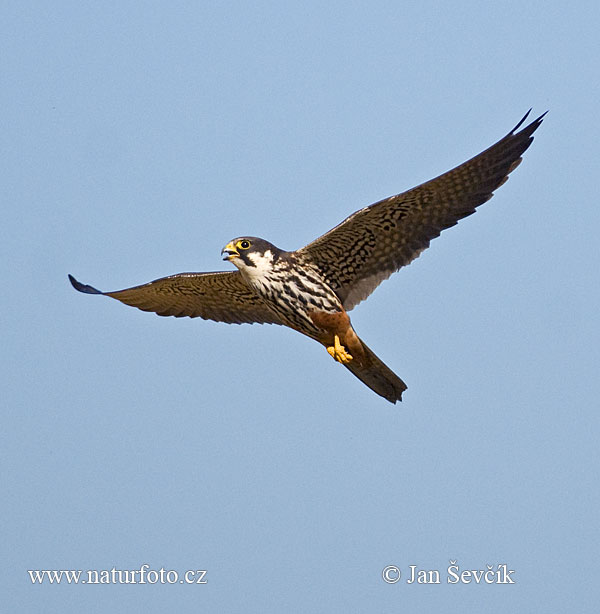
x=263 y=264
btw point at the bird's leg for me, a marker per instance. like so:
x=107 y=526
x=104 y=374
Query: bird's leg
x=337 y=326
x=338 y=351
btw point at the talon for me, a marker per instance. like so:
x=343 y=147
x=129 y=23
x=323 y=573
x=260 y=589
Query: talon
x=338 y=351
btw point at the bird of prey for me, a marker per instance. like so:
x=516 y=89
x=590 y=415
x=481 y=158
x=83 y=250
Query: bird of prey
x=311 y=290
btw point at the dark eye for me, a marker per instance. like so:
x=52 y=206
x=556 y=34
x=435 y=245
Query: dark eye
x=244 y=244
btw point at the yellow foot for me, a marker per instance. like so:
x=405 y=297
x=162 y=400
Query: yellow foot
x=338 y=352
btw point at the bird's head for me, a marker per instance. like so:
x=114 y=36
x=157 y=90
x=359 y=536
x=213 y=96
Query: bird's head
x=251 y=254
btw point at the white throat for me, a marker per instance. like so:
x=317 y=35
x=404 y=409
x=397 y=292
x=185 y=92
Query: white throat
x=263 y=265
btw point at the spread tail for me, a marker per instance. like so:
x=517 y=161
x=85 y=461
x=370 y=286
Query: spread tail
x=377 y=376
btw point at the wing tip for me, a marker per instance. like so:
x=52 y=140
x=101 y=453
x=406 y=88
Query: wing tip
x=83 y=287
x=533 y=126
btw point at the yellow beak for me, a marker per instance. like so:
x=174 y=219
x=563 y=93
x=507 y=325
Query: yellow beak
x=230 y=252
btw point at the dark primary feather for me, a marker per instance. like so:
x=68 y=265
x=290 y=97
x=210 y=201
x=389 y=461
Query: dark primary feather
x=223 y=297
x=370 y=245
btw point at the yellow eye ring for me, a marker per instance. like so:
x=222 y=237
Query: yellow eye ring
x=243 y=244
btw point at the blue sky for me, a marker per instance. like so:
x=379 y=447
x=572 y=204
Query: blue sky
x=137 y=140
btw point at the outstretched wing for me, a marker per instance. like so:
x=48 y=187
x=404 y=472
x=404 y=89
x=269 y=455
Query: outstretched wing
x=223 y=297
x=370 y=245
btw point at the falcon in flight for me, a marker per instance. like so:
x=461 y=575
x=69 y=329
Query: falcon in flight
x=311 y=290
